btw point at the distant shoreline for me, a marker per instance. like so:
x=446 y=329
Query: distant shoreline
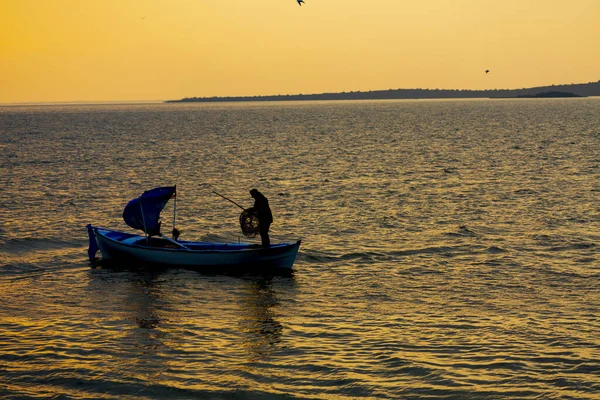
x=591 y=89
x=544 y=95
x=571 y=90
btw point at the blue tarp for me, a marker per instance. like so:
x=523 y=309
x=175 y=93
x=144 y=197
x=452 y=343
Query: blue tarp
x=143 y=213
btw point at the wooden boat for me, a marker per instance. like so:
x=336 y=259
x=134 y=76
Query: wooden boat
x=154 y=248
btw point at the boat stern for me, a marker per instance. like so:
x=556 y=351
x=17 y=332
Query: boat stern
x=93 y=244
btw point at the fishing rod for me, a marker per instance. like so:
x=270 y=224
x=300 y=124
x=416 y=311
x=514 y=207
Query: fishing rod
x=229 y=200
x=248 y=219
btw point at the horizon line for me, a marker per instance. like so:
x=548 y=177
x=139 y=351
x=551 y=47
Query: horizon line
x=79 y=103
x=155 y=101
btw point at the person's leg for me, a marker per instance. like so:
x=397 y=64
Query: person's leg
x=264 y=235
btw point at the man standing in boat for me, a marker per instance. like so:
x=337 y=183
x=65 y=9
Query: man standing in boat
x=263 y=213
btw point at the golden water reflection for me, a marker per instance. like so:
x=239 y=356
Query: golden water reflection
x=259 y=319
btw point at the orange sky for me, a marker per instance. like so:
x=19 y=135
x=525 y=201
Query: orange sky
x=121 y=50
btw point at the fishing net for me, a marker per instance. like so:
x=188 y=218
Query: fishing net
x=249 y=223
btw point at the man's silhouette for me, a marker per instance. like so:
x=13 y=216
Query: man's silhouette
x=263 y=213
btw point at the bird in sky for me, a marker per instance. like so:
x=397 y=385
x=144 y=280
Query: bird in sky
x=487 y=71
x=300 y=2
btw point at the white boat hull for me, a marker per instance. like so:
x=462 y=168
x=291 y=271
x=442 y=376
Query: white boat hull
x=123 y=247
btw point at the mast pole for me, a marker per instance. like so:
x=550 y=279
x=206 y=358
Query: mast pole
x=144 y=220
x=174 y=208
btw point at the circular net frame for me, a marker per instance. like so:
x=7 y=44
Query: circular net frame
x=249 y=224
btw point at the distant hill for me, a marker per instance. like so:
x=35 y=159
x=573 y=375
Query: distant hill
x=549 y=94
x=579 y=90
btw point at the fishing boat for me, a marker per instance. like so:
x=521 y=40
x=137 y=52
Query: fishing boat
x=154 y=248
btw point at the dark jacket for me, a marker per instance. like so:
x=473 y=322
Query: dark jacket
x=261 y=208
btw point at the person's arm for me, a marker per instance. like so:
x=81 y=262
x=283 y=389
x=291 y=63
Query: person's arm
x=254 y=209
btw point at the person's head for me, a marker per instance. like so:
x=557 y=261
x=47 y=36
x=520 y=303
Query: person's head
x=253 y=193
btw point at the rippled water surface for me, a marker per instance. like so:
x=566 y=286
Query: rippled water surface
x=450 y=250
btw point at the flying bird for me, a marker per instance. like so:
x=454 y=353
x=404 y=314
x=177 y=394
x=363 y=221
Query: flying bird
x=300 y=2
x=487 y=71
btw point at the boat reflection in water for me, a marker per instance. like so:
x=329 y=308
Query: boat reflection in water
x=259 y=317
x=178 y=324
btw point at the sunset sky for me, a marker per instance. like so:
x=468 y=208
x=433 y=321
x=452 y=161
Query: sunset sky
x=122 y=50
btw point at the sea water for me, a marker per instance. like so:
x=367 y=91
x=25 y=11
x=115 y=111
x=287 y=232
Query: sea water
x=450 y=249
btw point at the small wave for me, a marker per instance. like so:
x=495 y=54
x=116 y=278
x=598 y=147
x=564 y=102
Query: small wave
x=586 y=260
x=574 y=246
x=27 y=245
x=372 y=256
x=495 y=250
x=317 y=257
x=463 y=231
x=445 y=250
x=19 y=269
x=362 y=256
x=525 y=191
x=586 y=368
x=542 y=238
x=25 y=257
x=79 y=383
